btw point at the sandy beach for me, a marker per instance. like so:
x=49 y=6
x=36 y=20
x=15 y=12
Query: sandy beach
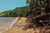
x=20 y=27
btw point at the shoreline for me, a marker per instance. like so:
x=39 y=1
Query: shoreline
x=10 y=25
x=20 y=27
x=16 y=25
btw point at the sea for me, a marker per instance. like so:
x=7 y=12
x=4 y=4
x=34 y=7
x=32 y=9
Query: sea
x=6 y=23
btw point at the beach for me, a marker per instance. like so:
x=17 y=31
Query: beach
x=17 y=27
x=6 y=23
x=20 y=27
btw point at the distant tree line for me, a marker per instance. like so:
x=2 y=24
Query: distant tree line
x=19 y=11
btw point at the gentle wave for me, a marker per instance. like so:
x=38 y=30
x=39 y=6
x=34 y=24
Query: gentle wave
x=14 y=21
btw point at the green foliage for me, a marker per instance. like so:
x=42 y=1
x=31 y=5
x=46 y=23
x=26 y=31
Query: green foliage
x=19 y=11
x=38 y=3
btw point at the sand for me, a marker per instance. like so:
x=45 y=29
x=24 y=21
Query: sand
x=17 y=27
x=20 y=27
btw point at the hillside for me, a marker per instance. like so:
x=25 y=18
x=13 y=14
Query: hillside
x=19 y=11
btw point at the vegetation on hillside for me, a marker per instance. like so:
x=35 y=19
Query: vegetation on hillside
x=19 y=11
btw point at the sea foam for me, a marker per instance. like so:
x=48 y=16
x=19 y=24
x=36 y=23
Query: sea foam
x=14 y=21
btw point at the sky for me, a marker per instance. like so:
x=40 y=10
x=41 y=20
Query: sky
x=11 y=4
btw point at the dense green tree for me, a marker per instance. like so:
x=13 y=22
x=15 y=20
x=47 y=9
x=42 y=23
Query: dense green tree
x=41 y=3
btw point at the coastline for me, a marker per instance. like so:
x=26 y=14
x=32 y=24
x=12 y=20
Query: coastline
x=10 y=25
x=15 y=25
x=20 y=27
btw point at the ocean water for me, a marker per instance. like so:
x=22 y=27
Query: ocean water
x=6 y=23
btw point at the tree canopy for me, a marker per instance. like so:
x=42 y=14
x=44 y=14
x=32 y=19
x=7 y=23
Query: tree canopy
x=38 y=3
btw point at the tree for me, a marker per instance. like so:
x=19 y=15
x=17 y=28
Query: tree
x=41 y=3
